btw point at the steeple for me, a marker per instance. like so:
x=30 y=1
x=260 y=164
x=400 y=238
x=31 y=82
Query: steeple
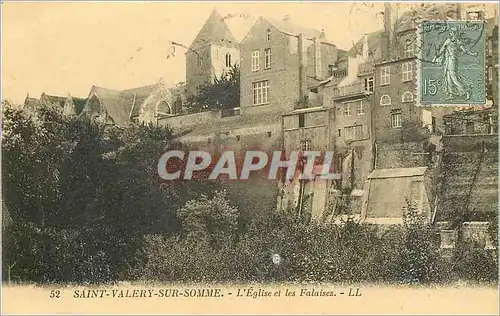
x=215 y=31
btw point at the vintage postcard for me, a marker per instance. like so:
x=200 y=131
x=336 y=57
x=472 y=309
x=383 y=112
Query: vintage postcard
x=249 y=158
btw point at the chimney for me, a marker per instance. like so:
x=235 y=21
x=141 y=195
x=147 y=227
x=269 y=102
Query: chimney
x=286 y=18
x=302 y=67
x=387 y=31
x=317 y=58
x=366 y=47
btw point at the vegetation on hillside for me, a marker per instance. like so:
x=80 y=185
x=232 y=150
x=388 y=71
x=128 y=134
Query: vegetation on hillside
x=87 y=207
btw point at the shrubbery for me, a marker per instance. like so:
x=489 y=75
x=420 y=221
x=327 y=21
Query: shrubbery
x=86 y=208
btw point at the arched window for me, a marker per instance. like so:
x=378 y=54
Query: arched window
x=407 y=97
x=163 y=108
x=268 y=35
x=385 y=100
x=228 y=60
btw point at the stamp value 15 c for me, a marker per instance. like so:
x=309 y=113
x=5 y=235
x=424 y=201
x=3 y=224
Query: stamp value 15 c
x=451 y=68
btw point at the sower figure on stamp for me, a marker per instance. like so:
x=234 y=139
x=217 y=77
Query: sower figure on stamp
x=447 y=58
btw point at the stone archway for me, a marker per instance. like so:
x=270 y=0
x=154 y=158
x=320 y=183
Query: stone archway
x=164 y=108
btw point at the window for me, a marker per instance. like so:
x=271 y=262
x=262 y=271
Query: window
x=409 y=48
x=385 y=100
x=396 y=120
x=348 y=132
x=305 y=145
x=163 y=108
x=301 y=120
x=353 y=132
x=199 y=61
x=347 y=109
x=385 y=75
x=260 y=92
x=407 y=97
x=369 y=84
x=228 y=60
x=490 y=74
x=360 y=108
x=255 y=60
x=268 y=35
x=407 y=70
x=267 y=59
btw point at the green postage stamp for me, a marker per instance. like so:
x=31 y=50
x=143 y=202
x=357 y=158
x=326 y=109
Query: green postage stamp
x=451 y=63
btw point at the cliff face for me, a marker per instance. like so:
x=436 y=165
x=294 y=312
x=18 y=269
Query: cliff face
x=469 y=179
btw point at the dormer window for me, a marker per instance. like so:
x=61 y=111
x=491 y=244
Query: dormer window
x=228 y=60
x=268 y=35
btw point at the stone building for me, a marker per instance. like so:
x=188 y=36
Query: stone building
x=144 y=104
x=69 y=105
x=214 y=50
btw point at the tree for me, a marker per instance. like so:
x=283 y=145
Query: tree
x=222 y=93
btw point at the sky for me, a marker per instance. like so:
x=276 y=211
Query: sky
x=62 y=48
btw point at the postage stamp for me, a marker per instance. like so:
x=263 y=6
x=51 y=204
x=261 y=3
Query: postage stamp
x=451 y=69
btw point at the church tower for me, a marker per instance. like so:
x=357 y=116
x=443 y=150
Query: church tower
x=213 y=51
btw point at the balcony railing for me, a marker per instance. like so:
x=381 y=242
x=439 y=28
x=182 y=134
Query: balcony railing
x=357 y=88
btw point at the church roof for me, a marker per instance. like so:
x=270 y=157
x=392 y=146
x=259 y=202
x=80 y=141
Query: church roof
x=215 y=31
x=53 y=99
x=124 y=104
x=116 y=103
x=141 y=94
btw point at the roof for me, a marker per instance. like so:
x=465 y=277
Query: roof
x=53 y=99
x=31 y=103
x=397 y=173
x=121 y=105
x=290 y=28
x=215 y=31
x=141 y=94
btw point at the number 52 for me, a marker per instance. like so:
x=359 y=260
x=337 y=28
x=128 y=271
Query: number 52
x=55 y=294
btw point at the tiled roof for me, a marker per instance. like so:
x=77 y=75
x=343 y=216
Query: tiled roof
x=215 y=31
